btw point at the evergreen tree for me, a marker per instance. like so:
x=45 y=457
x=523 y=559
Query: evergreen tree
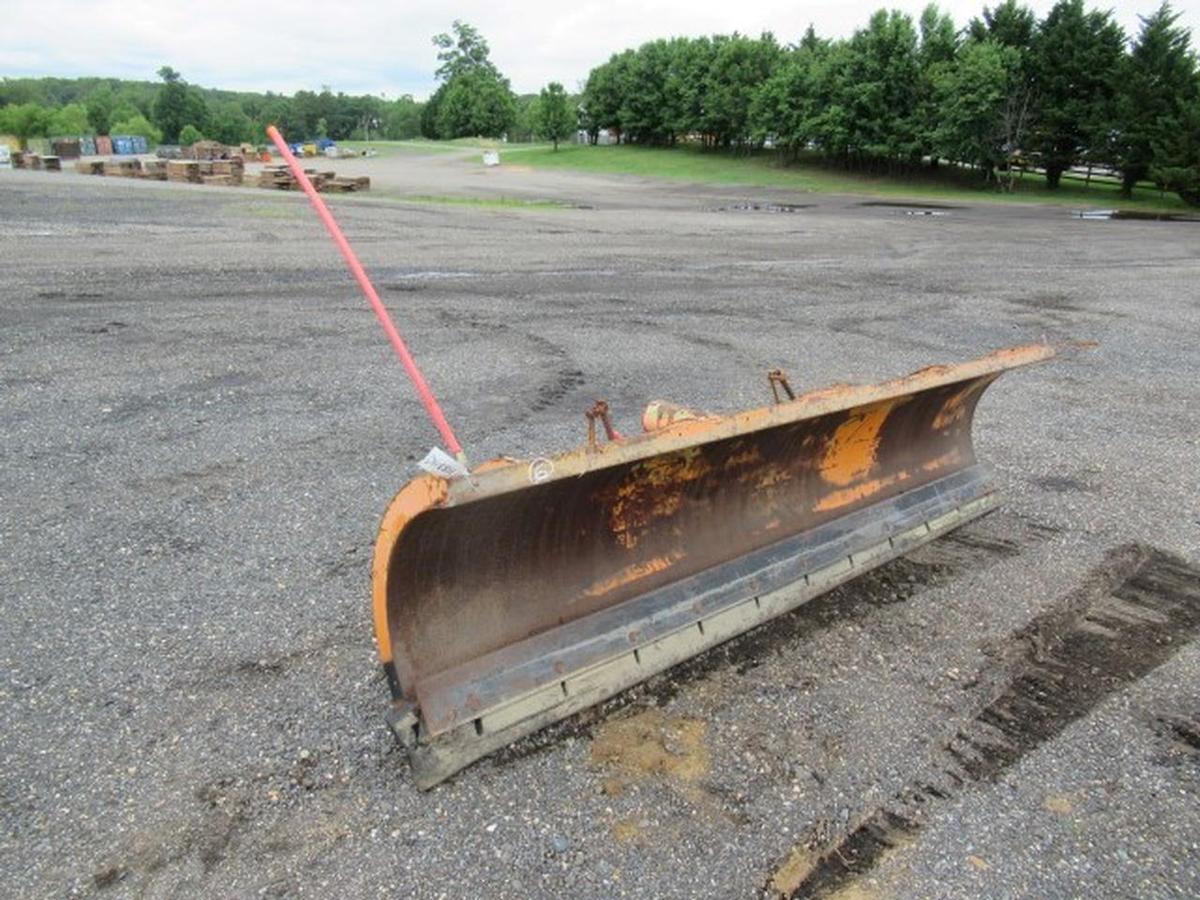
x=1158 y=81
x=971 y=97
x=938 y=51
x=1010 y=24
x=1076 y=62
x=785 y=106
x=878 y=90
x=1177 y=153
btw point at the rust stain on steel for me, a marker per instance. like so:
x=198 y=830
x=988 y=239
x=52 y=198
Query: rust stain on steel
x=652 y=490
x=632 y=573
x=478 y=564
x=778 y=379
x=948 y=460
x=959 y=404
x=862 y=491
x=600 y=410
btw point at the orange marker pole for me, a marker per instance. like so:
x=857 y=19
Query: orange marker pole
x=368 y=289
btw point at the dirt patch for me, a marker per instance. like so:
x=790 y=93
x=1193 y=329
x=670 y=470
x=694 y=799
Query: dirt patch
x=627 y=830
x=652 y=743
x=795 y=870
x=1059 y=805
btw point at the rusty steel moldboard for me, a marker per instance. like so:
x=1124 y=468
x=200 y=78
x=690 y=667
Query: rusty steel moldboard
x=528 y=590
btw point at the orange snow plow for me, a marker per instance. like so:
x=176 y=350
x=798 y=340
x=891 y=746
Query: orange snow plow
x=514 y=594
x=518 y=594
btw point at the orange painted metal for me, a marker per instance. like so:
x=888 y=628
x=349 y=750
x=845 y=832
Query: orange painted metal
x=471 y=565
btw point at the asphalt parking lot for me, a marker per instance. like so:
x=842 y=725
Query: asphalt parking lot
x=202 y=425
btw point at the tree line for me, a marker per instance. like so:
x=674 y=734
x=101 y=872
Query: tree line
x=1007 y=90
x=171 y=110
x=473 y=99
x=1005 y=93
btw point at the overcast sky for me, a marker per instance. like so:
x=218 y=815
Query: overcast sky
x=358 y=46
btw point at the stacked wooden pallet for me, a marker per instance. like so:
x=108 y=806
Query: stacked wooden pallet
x=346 y=185
x=280 y=178
x=121 y=168
x=183 y=170
x=231 y=169
x=154 y=169
x=277 y=177
x=52 y=163
x=89 y=166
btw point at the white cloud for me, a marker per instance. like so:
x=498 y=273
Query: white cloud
x=360 y=46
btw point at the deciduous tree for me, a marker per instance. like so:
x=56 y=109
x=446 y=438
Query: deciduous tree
x=553 y=117
x=177 y=105
x=23 y=121
x=474 y=99
x=68 y=120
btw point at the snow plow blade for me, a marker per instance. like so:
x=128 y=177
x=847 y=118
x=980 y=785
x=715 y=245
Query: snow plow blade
x=526 y=591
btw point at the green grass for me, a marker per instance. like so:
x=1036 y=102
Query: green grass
x=763 y=170
x=484 y=202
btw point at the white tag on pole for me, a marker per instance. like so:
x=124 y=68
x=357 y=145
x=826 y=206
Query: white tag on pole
x=438 y=462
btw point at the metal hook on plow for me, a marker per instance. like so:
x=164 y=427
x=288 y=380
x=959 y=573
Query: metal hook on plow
x=600 y=411
x=778 y=380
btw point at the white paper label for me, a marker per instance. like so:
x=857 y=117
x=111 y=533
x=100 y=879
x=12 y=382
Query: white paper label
x=438 y=462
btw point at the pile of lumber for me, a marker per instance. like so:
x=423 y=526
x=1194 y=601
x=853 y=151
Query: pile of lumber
x=154 y=169
x=346 y=185
x=207 y=150
x=120 y=168
x=231 y=169
x=184 y=170
x=280 y=178
x=275 y=177
x=27 y=160
x=89 y=166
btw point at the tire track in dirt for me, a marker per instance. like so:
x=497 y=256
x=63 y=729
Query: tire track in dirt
x=1132 y=614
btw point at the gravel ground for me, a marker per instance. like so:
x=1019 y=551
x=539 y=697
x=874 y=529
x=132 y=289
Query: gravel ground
x=201 y=426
